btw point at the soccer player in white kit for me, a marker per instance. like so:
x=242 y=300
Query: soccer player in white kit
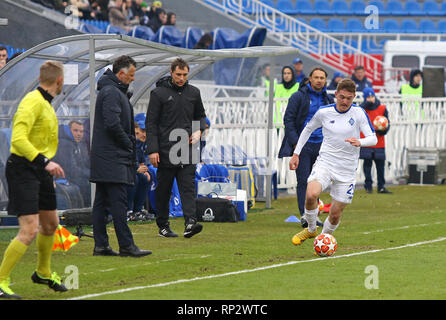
x=338 y=157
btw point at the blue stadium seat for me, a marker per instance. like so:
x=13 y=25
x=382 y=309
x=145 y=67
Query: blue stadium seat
x=322 y=7
x=391 y=26
x=357 y=7
x=335 y=25
x=286 y=6
x=381 y=8
x=269 y=3
x=340 y=7
x=409 y=26
x=247 y=6
x=369 y=46
x=431 y=8
x=443 y=7
x=319 y=24
x=354 y=25
x=395 y=7
x=115 y=30
x=413 y=8
x=304 y=7
x=428 y=26
x=442 y=26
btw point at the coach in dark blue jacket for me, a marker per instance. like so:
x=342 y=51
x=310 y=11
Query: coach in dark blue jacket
x=113 y=158
x=302 y=106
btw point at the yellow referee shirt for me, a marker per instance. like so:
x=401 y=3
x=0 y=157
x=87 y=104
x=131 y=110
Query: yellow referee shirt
x=34 y=128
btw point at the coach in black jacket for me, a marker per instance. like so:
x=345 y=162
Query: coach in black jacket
x=113 y=158
x=174 y=122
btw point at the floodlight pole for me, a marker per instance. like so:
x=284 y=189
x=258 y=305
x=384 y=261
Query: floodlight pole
x=92 y=78
x=269 y=135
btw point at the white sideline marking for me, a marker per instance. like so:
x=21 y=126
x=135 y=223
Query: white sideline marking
x=405 y=227
x=165 y=284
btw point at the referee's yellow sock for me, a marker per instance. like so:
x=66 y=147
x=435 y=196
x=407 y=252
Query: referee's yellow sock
x=12 y=255
x=45 y=250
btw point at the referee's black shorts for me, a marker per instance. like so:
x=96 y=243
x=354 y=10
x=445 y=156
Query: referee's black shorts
x=30 y=188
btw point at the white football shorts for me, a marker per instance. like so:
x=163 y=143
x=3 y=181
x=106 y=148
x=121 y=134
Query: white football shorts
x=342 y=187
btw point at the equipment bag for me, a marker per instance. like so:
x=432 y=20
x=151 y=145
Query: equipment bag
x=216 y=210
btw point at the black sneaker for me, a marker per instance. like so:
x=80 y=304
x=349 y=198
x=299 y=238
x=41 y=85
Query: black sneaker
x=192 y=229
x=384 y=190
x=166 y=232
x=54 y=281
x=368 y=190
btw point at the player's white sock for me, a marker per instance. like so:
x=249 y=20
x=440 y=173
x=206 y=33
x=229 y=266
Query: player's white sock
x=311 y=216
x=328 y=227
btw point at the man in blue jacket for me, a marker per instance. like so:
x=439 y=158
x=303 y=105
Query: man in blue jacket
x=302 y=105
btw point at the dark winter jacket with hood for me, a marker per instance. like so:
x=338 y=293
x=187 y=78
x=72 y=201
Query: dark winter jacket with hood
x=172 y=108
x=113 y=150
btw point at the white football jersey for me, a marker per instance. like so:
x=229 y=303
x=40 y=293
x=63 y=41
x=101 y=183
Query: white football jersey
x=336 y=153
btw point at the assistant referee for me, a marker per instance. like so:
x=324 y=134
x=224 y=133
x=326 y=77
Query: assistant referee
x=29 y=172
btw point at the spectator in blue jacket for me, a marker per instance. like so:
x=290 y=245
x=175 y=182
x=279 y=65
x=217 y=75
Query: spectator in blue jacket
x=139 y=192
x=74 y=156
x=360 y=79
x=302 y=105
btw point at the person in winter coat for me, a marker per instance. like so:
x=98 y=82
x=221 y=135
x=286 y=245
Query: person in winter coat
x=376 y=153
x=301 y=107
x=338 y=76
x=175 y=120
x=360 y=79
x=113 y=158
x=74 y=157
x=285 y=89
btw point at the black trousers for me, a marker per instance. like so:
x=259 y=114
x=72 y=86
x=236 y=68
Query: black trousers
x=307 y=158
x=380 y=164
x=111 y=198
x=185 y=176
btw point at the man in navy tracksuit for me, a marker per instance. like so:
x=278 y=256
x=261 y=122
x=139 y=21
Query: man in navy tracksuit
x=302 y=106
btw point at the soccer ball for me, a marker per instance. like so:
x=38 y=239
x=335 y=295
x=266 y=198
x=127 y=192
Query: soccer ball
x=325 y=245
x=320 y=206
x=381 y=123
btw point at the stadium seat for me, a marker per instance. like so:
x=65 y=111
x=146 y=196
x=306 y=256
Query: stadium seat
x=413 y=8
x=322 y=7
x=340 y=7
x=428 y=26
x=395 y=7
x=443 y=7
x=381 y=8
x=304 y=7
x=354 y=25
x=431 y=8
x=268 y=3
x=391 y=26
x=115 y=30
x=357 y=7
x=247 y=6
x=409 y=26
x=142 y=32
x=286 y=6
x=319 y=24
x=335 y=25
x=442 y=26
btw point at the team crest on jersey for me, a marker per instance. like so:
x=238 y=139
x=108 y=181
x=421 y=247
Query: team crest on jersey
x=351 y=121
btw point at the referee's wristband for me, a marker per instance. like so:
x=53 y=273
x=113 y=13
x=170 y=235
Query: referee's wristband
x=41 y=160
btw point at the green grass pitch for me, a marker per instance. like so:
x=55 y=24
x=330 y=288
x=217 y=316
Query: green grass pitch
x=255 y=260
